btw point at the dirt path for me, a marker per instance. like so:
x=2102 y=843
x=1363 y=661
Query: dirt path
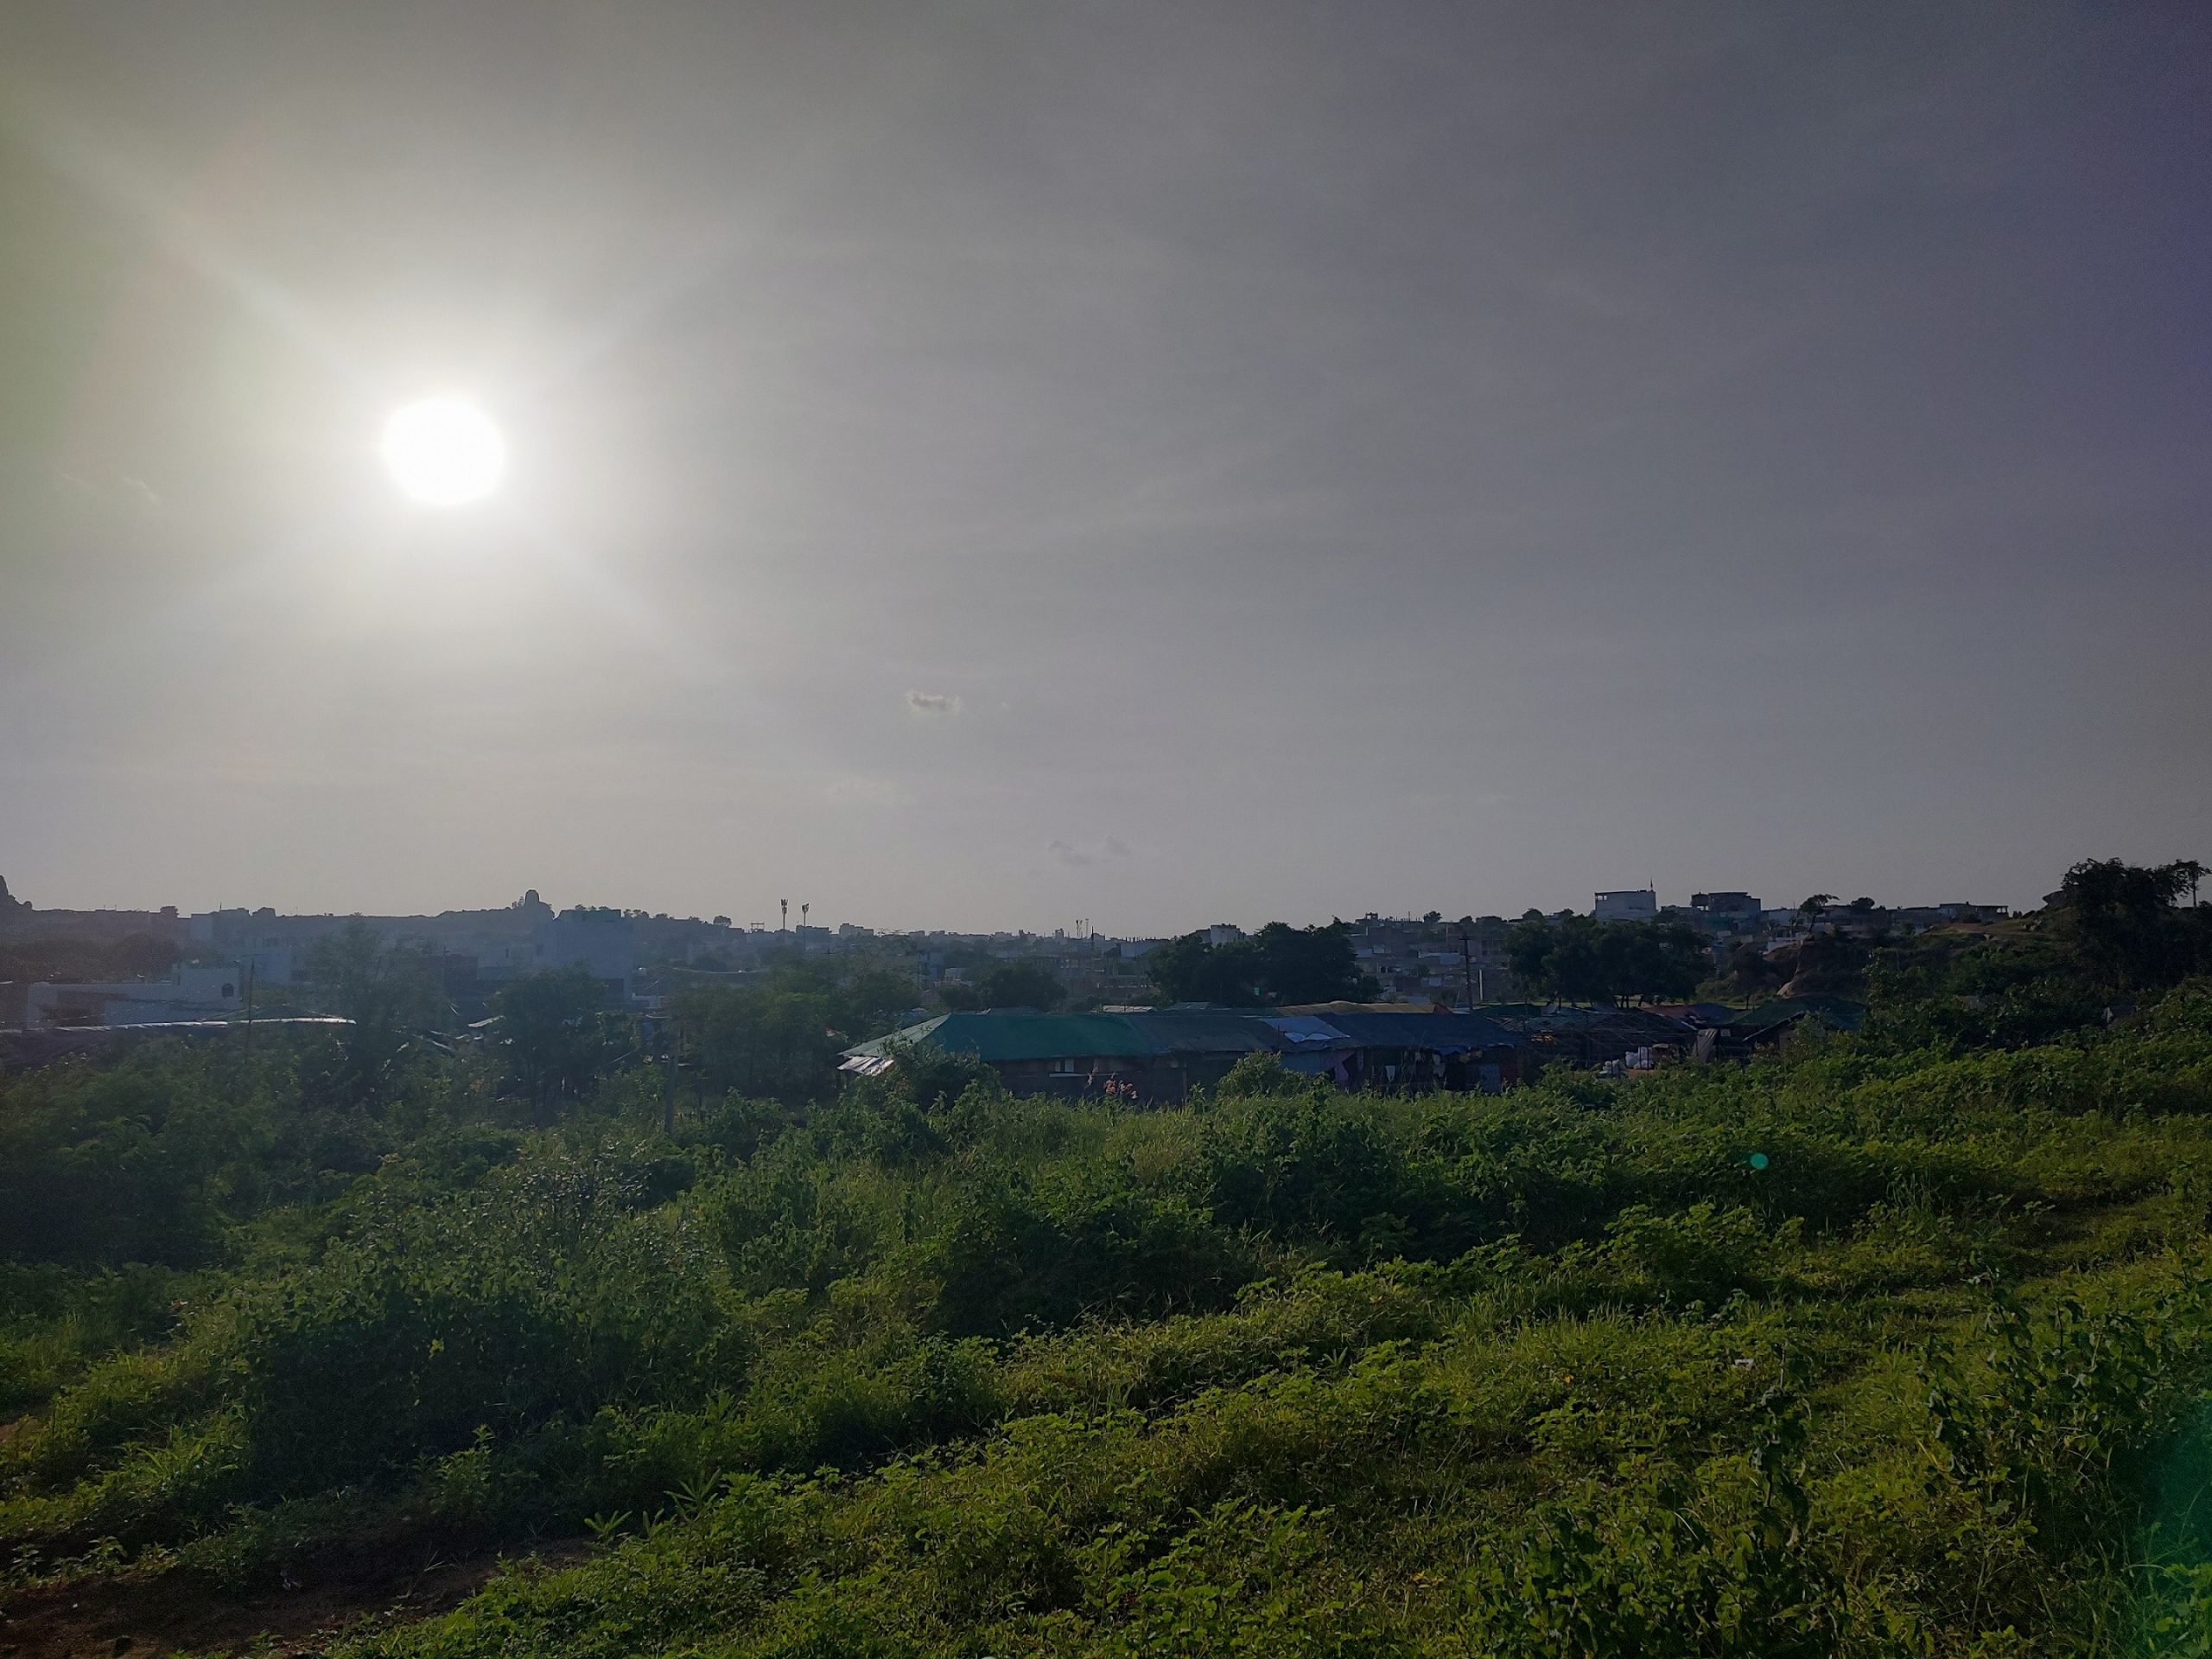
x=129 y=1618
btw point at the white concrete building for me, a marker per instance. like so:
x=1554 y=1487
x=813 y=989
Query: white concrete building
x=190 y=993
x=1627 y=905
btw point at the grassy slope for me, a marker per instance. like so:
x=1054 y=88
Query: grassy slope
x=1289 y=1373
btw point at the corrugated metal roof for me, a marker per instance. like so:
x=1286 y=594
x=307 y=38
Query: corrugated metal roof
x=1510 y=1011
x=1002 y=1034
x=1838 y=1011
x=1307 y=1031
x=1631 y=1025
x=1443 y=1033
x=1318 y=1063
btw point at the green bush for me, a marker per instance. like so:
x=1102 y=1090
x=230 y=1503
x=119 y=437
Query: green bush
x=548 y=1292
x=933 y=1370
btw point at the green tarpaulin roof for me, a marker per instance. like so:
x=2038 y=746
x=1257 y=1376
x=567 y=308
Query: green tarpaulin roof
x=1000 y=1034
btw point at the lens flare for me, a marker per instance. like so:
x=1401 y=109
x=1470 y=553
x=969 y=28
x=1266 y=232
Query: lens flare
x=444 y=452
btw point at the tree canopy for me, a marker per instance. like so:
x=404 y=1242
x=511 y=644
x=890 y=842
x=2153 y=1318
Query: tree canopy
x=1278 y=964
x=1580 y=959
x=780 y=1037
x=552 y=1037
x=1020 y=985
x=2129 y=920
x=389 y=995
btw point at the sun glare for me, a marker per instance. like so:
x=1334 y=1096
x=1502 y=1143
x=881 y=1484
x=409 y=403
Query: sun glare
x=444 y=452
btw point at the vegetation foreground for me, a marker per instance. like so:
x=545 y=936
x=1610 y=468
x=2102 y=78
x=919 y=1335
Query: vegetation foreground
x=1899 y=1342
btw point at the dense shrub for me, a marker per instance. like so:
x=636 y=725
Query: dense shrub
x=1009 y=1255
x=1864 y=1349
x=548 y=1291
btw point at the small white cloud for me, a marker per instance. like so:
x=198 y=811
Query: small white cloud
x=1074 y=858
x=933 y=705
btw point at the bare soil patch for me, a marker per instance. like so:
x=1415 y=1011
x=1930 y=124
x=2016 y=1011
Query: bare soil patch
x=128 y=1617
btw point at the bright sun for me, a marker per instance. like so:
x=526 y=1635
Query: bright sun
x=444 y=452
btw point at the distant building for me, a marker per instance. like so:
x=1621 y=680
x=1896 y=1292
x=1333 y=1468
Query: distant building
x=1958 y=912
x=1916 y=918
x=190 y=994
x=19 y=919
x=1627 y=905
x=1732 y=905
x=1432 y=963
x=269 y=965
x=599 y=940
x=1719 y=914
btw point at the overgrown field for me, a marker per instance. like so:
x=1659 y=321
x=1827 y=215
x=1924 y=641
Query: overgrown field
x=1865 y=1349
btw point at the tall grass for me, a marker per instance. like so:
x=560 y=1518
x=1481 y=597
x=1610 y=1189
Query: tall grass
x=1569 y=1370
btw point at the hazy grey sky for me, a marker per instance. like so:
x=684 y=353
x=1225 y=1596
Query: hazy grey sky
x=993 y=464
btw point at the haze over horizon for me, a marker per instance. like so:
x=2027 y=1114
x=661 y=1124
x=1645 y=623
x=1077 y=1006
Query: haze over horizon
x=974 y=466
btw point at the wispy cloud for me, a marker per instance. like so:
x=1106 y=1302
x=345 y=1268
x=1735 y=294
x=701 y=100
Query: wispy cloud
x=933 y=705
x=120 y=490
x=1075 y=857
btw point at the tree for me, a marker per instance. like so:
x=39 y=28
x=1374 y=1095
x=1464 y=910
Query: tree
x=768 y=1041
x=552 y=1036
x=875 y=999
x=1580 y=959
x=1310 y=964
x=1810 y=907
x=1280 y=963
x=781 y=1038
x=1749 y=972
x=1192 y=969
x=1528 y=953
x=1020 y=985
x=1828 y=963
x=388 y=993
x=1656 y=960
x=2126 y=921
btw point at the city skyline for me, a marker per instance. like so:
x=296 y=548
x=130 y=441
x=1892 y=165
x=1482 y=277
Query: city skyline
x=775 y=923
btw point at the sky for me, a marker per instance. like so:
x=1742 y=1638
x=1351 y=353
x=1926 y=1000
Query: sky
x=1001 y=465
